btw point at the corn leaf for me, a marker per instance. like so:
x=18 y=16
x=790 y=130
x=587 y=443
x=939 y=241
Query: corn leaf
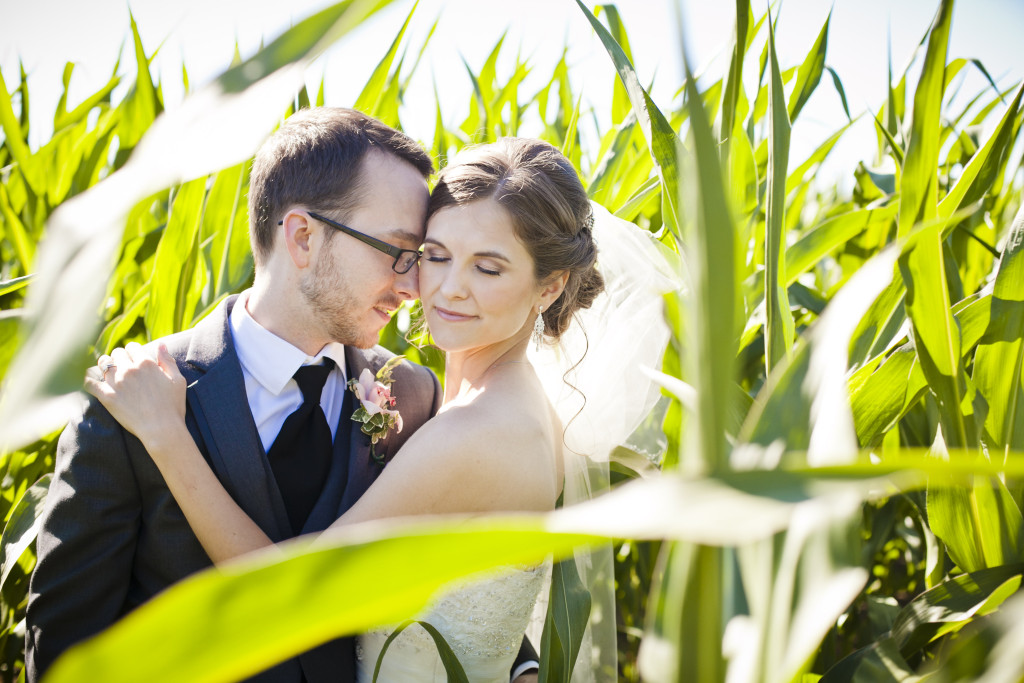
x=809 y=74
x=371 y=98
x=22 y=526
x=564 y=624
x=999 y=361
x=919 y=188
x=658 y=133
x=779 y=326
x=172 y=297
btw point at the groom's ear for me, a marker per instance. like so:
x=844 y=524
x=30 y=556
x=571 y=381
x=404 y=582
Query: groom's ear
x=296 y=231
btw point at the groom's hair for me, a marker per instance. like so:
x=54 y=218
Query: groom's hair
x=314 y=160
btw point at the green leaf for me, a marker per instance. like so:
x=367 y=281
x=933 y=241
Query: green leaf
x=564 y=624
x=984 y=168
x=142 y=105
x=226 y=219
x=639 y=199
x=779 y=326
x=798 y=177
x=620 y=100
x=823 y=239
x=15 y=142
x=316 y=590
x=173 y=292
x=1000 y=524
x=713 y=299
x=660 y=137
x=14 y=285
x=456 y=674
x=804 y=404
x=369 y=100
x=999 y=361
x=22 y=526
x=734 y=81
x=839 y=89
x=955 y=601
x=935 y=331
x=919 y=189
x=607 y=170
x=880 y=662
x=895 y=149
x=809 y=74
x=882 y=390
x=79 y=113
x=19 y=237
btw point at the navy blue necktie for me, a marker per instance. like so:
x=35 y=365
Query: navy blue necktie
x=300 y=456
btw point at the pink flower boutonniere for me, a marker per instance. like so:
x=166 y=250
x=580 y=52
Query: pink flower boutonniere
x=376 y=413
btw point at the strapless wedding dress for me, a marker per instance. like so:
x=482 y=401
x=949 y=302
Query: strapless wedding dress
x=483 y=621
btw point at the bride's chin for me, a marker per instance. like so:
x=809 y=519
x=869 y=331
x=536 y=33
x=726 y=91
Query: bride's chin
x=445 y=343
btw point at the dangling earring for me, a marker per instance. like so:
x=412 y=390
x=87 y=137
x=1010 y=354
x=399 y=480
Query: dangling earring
x=538 y=329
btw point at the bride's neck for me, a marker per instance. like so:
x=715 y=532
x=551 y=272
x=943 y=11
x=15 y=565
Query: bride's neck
x=467 y=371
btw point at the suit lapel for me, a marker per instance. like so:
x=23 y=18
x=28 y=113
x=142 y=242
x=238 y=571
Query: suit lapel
x=218 y=401
x=362 y=470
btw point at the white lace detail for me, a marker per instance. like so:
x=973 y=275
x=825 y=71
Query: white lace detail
x=483 y=621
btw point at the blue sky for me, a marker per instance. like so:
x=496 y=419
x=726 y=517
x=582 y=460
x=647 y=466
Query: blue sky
x=202 y=33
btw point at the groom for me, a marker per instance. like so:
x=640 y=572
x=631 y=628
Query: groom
x=112 y=534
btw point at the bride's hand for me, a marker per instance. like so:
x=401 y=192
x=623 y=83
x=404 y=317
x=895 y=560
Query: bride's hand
x=146 y=394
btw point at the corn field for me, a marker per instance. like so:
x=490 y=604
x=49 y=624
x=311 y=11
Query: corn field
x=836 y=493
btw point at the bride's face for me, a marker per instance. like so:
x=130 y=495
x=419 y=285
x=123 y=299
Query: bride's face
x=477 y=283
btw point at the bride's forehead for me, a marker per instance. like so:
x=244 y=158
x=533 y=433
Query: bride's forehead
x=483 y=219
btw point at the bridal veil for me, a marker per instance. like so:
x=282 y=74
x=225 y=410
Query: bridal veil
x=593 y=378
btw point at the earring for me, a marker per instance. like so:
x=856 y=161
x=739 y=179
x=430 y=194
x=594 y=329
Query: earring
x=538 y=329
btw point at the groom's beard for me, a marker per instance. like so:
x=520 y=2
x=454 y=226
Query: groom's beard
x=334 y=304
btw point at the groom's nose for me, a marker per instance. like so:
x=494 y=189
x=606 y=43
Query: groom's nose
x=407 y=285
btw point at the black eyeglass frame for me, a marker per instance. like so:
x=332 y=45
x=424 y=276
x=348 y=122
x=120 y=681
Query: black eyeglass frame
x=379 y=245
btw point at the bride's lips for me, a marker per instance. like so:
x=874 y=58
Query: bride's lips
x=452 y=316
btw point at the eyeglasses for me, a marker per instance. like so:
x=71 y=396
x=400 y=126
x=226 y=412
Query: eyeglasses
x=405 y=259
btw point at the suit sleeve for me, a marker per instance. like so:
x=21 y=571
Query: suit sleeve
x=86 y=544
x=438 y=393
x=526 y=655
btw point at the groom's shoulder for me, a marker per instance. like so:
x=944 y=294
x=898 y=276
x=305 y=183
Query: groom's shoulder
x=203 y=343
x=177 y=344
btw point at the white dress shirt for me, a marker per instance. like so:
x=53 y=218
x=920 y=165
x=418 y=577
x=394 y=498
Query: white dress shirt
x=268 y=364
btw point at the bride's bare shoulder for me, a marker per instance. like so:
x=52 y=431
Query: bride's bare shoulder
x=496 y=445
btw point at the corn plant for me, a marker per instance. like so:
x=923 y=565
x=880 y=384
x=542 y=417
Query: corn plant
x=836 y=491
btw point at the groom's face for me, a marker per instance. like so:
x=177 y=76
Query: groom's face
x=353 y=288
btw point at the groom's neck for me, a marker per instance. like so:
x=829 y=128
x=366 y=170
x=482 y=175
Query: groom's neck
x=278 y=310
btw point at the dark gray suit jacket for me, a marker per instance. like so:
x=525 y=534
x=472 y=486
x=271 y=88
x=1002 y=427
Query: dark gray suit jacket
x=113 y=536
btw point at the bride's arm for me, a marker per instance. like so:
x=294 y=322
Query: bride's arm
x=466 y=460
x=157 y=418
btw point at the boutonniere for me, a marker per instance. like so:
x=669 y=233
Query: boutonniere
x=376 y=412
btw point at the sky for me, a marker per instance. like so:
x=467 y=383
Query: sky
x=45 y=34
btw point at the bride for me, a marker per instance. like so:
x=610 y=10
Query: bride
x=509 y=256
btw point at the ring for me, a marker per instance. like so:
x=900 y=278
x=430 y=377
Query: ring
x=106 y=367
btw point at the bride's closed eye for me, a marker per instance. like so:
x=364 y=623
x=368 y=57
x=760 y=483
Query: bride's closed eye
x=435 y=255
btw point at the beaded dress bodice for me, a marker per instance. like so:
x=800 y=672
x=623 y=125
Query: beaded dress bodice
x=483 y=622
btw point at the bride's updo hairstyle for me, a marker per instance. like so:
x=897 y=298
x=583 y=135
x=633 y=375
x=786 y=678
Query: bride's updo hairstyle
x=539 y=189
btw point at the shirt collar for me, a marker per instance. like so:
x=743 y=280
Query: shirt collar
x=270 y=360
